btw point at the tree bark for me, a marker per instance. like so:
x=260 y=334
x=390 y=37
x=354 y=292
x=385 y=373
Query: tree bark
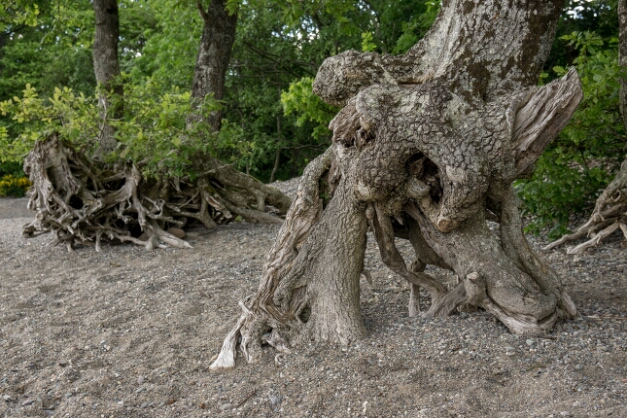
x=426 y=147
x=610 y=211
x=107 y=67
x=214 y=55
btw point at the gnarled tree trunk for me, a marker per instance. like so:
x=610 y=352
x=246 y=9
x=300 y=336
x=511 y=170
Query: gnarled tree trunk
x=610 y=211
x=426 y=147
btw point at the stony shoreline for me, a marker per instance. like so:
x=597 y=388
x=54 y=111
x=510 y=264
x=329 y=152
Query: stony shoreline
x=127 y=332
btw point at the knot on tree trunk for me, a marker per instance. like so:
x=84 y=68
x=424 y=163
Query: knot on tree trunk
x=426 y=148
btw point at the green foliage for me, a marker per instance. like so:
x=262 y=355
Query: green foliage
x=169 y=44
x=18 y=12
x=415 y=28
x=367 y=44
x=301 y=100
x=155 y=133
x=598 y=16
x=75 y=117
x=579 y=164
x=13 y=186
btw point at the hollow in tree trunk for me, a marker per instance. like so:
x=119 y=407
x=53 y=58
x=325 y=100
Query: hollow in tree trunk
x=426 y=147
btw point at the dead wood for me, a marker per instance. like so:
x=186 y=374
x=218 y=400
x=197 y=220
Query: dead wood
x=609 y=215
x=82 y=202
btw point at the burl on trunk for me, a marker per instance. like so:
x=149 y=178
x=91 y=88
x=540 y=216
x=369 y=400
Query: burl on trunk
x=426 y=147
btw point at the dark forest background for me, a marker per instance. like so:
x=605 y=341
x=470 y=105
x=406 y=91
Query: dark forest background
x=273 y=125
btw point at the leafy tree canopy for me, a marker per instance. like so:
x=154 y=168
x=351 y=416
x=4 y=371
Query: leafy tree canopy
x=271 y=114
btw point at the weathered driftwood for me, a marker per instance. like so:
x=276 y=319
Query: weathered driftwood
x=610 y=211
x=80 y=202
x=609 y=215
x=426 y=147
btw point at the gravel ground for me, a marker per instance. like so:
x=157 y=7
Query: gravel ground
x=130 y=333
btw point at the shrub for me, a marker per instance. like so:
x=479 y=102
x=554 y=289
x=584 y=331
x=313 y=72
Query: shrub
x=154 y=133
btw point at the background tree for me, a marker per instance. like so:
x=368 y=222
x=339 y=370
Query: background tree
x=214 y=55
x=107 y=66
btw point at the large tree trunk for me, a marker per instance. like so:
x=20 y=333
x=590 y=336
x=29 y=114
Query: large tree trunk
x=214 y=55
x=107 y=67
x=610 y=212
x=426 y=147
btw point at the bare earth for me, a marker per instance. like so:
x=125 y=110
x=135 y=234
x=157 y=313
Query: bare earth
x=131 y=333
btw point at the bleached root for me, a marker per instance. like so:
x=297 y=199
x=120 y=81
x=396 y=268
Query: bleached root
x=228 y=352
x=82 y=203
x=609 y=215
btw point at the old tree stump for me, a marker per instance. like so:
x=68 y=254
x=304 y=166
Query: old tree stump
x=426 y=148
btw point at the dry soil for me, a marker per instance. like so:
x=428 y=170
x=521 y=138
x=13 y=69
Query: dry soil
x=131 y=333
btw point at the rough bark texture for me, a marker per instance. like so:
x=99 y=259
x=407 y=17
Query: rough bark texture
x=107 y=66
x=82 y=203
x=610 y=211
x=214 y=54
x=426 y=147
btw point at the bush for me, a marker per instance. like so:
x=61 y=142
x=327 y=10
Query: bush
x=12 y=180
x=153 y=134
x=578 y=165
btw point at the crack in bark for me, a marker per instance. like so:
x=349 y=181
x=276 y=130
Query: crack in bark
x=426 y=147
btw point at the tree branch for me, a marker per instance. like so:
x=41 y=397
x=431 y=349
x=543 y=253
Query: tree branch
x=201 y=10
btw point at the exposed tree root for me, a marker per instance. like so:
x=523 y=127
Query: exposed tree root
x=609 y=215
x=82 y=203
x=425 y=148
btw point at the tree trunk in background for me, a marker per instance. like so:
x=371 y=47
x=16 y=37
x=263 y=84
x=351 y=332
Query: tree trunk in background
x=107 y=66
x=214 y=55
x=610 y=211
x=426 y=147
